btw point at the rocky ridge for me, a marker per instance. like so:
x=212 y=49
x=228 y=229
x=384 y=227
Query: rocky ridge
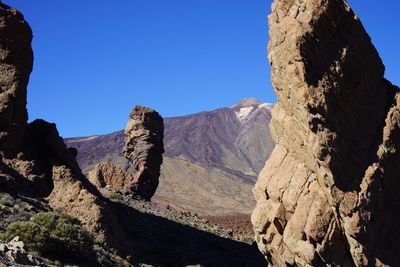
x=328 y=195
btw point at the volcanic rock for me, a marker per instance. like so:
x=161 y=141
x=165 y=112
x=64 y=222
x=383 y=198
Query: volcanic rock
x=328 y=195
x=82 y=200
x=215 y=155
x=35 y=161
x=106 y=174
x=13 y=254
x=144 y=147
x=39 y=168
x=16 y=60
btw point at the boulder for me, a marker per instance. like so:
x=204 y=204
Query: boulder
x=13 y=254
x=80 y=199
x=106 y=174
x=144 y=147
x=328 y=195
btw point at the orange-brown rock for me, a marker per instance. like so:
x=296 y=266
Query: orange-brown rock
x=80 y=199
x=144 y=147
x=106 y=174
x=34 y=160
x=47 y=168
x=16 y=61
x=328 y=195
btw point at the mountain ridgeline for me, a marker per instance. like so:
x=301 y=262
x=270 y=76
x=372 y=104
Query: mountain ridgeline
x=214 y=155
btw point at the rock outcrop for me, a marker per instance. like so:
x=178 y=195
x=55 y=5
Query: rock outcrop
x=328 y=195
x=106 y=174
x=34 y=161
x=82 y=200
x=144 y=147
x=215 y=155
x=39 y=173
x=14 y=254
x=16 y=61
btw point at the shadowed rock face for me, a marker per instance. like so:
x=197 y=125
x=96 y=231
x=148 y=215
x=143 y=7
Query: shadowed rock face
x=329 y=192
x=16 y=60
x=34 y=160
x=144 y=147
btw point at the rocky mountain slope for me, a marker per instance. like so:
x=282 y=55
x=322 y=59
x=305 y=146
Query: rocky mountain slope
x=329 y=194
x=215 y=156
x=50 y=213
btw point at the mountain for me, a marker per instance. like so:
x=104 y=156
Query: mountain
x=51 y=215
x=214 y=156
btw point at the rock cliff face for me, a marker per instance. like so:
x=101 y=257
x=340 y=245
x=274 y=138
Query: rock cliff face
x=144 y=147
x=329 y=192
x=16 y=60
x=35 y=161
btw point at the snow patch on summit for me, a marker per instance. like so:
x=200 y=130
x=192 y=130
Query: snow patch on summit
x=243 y=113
x=266 y=105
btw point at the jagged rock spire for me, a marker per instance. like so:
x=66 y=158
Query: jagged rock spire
x=144 y=147
x=329 y=192
x=16 y=61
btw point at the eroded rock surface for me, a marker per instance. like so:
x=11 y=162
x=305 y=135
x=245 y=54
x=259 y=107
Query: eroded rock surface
x=16 y=61
x=14 y=254
x=329 y=192
x=34 y=160
x=144 y=147
x=106 y=174
x=80 y=199
x=39 y=173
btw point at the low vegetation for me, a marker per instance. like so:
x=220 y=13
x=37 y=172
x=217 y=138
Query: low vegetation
x=53 y=236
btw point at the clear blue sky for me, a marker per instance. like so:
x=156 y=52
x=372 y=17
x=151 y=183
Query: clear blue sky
x=95 y=59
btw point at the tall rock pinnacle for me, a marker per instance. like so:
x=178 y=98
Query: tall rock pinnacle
x=144 y=147
x=16 y=61
x=34 y=160
x=329 y=194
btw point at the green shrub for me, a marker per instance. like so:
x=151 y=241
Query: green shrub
x=47 y=220
x=53 y=236
x=6 y=200
x=34 y=236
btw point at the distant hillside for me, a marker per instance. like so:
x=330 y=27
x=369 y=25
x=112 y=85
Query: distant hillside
x=211 y=159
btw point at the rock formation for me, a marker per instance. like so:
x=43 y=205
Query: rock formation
x=16 y=60
x=215 y=155
x=35 y=161
x=106 y=174
x=328 y=195
x=14 y=254
x=144 y=147
x=39 y=173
